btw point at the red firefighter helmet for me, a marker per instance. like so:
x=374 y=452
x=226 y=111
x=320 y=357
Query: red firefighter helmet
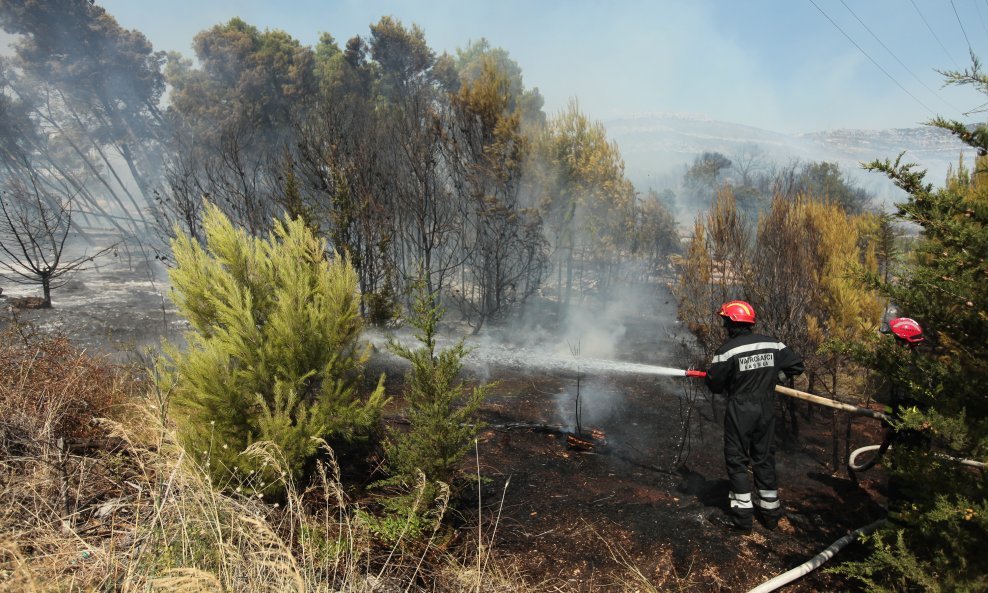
x=906 y=330
x=738 y=311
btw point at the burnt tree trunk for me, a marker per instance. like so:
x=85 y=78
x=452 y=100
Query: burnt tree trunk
x=834 y=427
x=808 y=408
x=46 y=291
x=847 y=437
x=789 y=409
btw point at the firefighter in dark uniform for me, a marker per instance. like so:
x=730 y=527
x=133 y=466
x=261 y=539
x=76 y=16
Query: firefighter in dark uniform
x=747 y=368
x=908 y=334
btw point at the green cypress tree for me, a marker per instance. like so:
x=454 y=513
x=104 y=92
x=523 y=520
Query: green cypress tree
x=937 y=544
x=273 y=352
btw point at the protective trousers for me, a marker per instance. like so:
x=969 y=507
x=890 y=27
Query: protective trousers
x=749 y=431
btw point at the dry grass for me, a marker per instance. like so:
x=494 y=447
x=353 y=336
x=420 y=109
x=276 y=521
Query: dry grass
x=95 y=495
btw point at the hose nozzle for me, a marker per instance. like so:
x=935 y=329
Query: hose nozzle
x=696 y=373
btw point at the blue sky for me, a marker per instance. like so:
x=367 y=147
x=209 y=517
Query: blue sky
x=779 y=65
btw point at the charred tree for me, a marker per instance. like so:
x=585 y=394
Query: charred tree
x=34 y=230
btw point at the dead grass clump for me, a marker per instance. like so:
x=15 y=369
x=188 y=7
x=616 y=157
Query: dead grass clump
x=663 y=577
x=172 y=530
x=56 y=471
x=50 y=390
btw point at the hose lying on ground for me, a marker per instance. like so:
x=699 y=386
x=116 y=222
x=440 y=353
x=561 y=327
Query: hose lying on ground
x=885 y=446
x=814 y=562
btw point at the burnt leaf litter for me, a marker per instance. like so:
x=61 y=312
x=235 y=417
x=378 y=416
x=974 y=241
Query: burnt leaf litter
x=636 y=490
x=582 y=517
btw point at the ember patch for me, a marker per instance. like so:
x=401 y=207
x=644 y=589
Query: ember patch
x=756 y=361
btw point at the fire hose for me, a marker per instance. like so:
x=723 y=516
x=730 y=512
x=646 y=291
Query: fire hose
x=870 y=463
x=816 y=399
x=815 y=562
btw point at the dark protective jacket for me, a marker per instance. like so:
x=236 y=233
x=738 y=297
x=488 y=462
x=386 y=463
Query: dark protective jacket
x=747 y=366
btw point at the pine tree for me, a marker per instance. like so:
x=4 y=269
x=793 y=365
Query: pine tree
x=441 y=409
x=937 y=544
x=273 y=352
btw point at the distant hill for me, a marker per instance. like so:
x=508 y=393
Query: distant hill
x=657 y=148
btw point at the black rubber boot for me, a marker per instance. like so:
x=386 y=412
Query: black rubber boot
x=770 y=522
x=731 y=523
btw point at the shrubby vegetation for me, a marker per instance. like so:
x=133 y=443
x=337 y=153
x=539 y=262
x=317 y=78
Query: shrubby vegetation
x=97 y=494
x=424 y=460
x=441 y=409
x=273 y=352
x=231 y=450
x=937 y=542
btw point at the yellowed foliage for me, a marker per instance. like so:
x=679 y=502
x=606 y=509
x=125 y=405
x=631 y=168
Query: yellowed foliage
x=585 y=184
x=846 y=309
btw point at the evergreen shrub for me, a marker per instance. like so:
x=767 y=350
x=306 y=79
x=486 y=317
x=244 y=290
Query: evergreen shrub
x=272 y=353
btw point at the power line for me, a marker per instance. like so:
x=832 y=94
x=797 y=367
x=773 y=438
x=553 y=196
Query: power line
x=962 y=26
x=932 y=32
x=981 y=17
x=877 y=65
x=867 y=28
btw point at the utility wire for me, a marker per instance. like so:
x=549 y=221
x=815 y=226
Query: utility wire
x=877 y=65
x=962 y=26
x=981 y=17
x=932 y=32
x=891 y=53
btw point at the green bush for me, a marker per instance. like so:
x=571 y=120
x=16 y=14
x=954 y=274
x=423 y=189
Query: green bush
x=381 y=307
x=273 y=352
x=441 y=409
x=408 y=518
x=936 y=542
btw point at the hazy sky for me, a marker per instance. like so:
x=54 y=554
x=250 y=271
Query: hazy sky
x=780 y=65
